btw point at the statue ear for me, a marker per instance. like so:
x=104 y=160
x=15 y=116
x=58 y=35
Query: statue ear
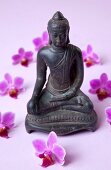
x=68 y=41
x=50 y=42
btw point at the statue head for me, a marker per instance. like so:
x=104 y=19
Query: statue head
x=58 y=28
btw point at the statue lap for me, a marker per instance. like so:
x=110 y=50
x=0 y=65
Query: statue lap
x=63 y=117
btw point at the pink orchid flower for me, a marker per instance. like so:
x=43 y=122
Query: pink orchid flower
x=40 y=42
x=49 y=152
x=11 y=86
x=23 y=57
x=89 y=57
x=108 y=114
x=6 y=123
x=101 y=87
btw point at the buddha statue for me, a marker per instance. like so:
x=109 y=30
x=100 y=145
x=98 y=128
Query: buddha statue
x=60 y=105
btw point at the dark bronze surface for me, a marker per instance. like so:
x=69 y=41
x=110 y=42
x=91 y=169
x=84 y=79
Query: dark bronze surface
x=61 y=106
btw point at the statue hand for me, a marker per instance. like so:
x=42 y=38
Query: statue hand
x=32 y=106
x=64 y=96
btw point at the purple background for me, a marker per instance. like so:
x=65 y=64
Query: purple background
x=20 y=22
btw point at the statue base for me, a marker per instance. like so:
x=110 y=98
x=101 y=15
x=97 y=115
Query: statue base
x=63 y=122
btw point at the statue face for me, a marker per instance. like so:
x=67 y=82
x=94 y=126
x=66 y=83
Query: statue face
x=59 y=37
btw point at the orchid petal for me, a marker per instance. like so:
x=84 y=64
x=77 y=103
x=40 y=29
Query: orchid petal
x=93 y=91
x=108 y=87
x=96 y=58
x=3 y=87
x=39 y=145
x=40 y=155
x=45 y=36
x=8 y=78
x=108 y=84
x=18 y=83
x=59 y=152
x=108 y=114
x=84 y=54
x=103 y=78
x=28 y=55
x=37 y=42
x=0 y=117
x=8 y=119
x=95 y=84
x=89 y=49
x=40 y=46
x=52 y=138
x=16 y=58
x=21 y=51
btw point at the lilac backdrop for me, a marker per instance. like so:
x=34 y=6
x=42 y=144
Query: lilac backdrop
x=20 y=22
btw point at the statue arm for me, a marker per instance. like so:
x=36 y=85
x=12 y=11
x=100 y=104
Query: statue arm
x=78 y=79
x=79 y=73
x=41 y=76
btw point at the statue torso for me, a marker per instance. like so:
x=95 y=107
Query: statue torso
x=62 y=67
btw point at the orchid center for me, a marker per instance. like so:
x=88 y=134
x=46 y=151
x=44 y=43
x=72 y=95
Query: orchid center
x=102 y=94
x=3 y=131
x=47 y=160
x=24 y=62
x=13 y=93
x=89 y=62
